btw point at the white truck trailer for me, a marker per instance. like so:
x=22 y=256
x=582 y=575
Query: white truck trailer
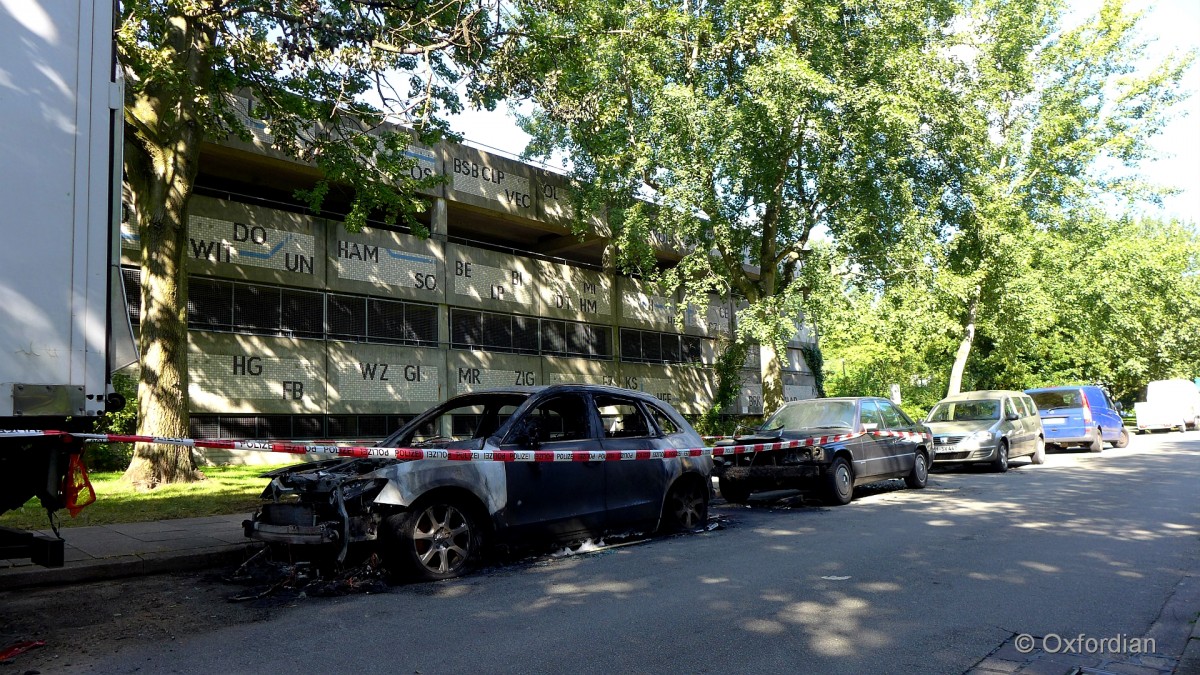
x=60 y=195
x=1169 y=404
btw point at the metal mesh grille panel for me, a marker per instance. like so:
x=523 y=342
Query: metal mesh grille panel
x=256 y=308
x=210 y=304
x=385 y=320
x=132 y=280
x=421 y=324
x=554 y=338
x=465 y=328
x=631 y=345
x=347 y=317
x=497 y=331
x=204 y=426
x=302 y=313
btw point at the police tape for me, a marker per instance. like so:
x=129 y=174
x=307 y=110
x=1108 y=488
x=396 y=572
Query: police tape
x=461 y=455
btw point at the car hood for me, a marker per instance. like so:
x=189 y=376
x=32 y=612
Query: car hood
x=961 y=428
x=792 y=435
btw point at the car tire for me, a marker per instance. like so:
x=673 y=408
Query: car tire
x=435 y=539
x=686 y=507
x=1123 y=440
x=1097 y=443
x=839 y=482
x=919 y=476
x=1000 y=464
x=734 y=491
x=1039 y=455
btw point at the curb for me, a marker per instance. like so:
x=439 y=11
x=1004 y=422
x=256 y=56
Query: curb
x=1176 y=631
x=1189 y=662
x=125 y=566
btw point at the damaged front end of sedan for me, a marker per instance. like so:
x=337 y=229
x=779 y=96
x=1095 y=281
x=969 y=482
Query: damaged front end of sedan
x=324 y=506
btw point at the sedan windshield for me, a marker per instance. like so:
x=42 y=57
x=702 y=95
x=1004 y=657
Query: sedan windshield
x=963 y=411
x=812 y=414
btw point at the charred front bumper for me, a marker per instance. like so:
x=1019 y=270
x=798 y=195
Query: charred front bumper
x=293 y=524
x=772 y=471
x=326 y=505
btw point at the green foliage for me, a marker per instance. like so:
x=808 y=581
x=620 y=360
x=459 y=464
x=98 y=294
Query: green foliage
x=1112 y=304
x=816 y=363
x=731 y=132
x=728 y=370
x=115 y=456
x=1053 y=118
x=224 y=490
x=329 y=79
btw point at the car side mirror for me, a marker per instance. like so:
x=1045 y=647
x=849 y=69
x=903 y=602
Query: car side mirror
x=1012 y=416
x=1120 y=406
x=870 y=426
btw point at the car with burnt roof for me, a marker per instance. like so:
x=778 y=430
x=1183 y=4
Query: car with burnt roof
x=846 y=442
x=433 y=517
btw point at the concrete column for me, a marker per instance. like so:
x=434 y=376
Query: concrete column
x=439 y=220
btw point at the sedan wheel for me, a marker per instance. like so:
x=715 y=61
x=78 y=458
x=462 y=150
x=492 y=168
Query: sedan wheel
x=920 y=472
x=1039 y=455
x=839 y=482
x=686 y=507
x=1000 y=464
x=437 y=540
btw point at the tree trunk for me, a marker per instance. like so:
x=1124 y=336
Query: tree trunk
x=772 y=378
x=163 y=341
x=163 y=134
x=964 y=347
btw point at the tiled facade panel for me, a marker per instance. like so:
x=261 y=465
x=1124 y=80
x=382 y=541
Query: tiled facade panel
x=386 y=260
x=235 y=373
x=294 y=315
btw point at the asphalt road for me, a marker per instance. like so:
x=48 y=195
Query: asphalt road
x=899 y=581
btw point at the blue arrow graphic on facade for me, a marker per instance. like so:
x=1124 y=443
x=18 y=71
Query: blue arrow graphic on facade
x=268 y=254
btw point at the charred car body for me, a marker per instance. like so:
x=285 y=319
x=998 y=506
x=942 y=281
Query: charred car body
x=433 y=517
x=854 y=453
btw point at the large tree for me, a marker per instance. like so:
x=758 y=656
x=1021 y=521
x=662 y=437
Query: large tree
x=325 y=75
x=1055 y=119
x=738 y=129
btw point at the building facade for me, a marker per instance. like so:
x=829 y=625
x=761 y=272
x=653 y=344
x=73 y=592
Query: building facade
x=301 y=329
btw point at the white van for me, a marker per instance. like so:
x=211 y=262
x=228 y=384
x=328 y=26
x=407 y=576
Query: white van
x=1169 y=404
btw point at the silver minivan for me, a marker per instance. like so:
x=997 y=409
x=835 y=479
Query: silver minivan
x=990 y=426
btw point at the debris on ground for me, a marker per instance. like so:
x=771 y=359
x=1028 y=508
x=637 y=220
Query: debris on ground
x=286 y=580
x=271 y=577
x=12 y=651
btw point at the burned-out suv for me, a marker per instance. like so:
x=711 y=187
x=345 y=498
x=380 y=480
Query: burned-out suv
x=432 y=517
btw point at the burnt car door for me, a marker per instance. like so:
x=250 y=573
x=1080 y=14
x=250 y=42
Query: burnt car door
x=635 y=489
x=902 y=452
x=872 y=453
x=556 y=498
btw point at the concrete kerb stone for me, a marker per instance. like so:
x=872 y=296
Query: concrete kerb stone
x=1189 y=663
x=118 y=567
x=1176 y=631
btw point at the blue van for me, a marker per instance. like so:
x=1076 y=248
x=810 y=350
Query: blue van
x=1079 y=416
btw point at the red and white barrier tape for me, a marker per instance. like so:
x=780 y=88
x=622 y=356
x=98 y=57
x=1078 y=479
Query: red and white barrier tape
x=490 y=455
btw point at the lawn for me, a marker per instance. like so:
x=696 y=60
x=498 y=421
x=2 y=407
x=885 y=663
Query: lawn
x=225 y=489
